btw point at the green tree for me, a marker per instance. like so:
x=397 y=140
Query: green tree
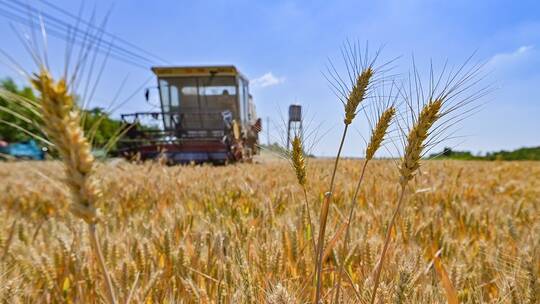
x=97 y=123
x=100 y=127
x=8 y=120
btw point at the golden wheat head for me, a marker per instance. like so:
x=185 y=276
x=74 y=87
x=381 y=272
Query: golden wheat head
x=415 y=139
x=280 y=295
x=378 y=133
x=298 y=160
x=357 y=95
x=61 y=123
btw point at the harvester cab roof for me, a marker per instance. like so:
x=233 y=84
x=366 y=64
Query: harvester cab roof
x=207 y=114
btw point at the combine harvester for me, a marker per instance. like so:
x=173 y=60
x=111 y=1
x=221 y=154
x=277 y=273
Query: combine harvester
x=207 y=115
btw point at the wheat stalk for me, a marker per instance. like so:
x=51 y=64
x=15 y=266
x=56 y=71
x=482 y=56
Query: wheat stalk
x=298 y=163
x=453 y=95
x=377 y=136
x=61 y=123
x=356 y=96
x=409 y=164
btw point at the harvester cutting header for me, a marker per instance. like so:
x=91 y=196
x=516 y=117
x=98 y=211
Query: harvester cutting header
x=207 y=115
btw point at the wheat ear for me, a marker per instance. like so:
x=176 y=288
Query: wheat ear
x=416 y=138
x=299 y=165
x=409 y=164
x=298 y=161
x=378 y=133
x=377 y=136
x=356 y=96
x=61 y=123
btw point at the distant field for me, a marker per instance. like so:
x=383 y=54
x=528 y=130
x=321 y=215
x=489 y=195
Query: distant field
x=239 y=234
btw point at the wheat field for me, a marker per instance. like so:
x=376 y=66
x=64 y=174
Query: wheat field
x=239 y=233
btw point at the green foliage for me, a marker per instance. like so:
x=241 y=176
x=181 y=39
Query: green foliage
x=8 y=132
x=98 y=125
x=519 y=154
x=451 y=154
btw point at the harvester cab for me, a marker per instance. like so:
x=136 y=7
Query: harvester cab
x=207 y=115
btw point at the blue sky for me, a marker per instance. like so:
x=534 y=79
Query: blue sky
x=283 y=47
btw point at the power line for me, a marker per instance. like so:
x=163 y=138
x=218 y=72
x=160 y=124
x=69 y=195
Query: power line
x=58 y=33
x=116 y=38
x=48 y=19
x=15 y=11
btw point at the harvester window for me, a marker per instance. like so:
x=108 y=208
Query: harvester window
x=189 y=91
x=218 y=90
x=175 y=100
x=178 y=100
x=165 y=103
x=164 y=90
x=196 y=103
x=217 y=94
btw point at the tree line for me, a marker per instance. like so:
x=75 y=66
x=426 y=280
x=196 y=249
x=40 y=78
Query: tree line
x=529 y=153
x=97 y=121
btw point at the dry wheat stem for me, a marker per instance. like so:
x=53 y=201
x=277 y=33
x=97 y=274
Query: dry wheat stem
x=356 y=96
x=377 y=137
x=347 y=230
x=95 y=244
x=378 y=269
x=306 y=201
x=324 y=217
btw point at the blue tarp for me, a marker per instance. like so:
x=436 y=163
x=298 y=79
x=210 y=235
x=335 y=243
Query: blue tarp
x=25 y=149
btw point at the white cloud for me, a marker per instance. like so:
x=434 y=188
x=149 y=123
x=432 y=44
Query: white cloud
x=506 y=59
x=267 y=80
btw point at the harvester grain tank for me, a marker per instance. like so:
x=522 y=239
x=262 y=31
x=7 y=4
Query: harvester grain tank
x=207 y=115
